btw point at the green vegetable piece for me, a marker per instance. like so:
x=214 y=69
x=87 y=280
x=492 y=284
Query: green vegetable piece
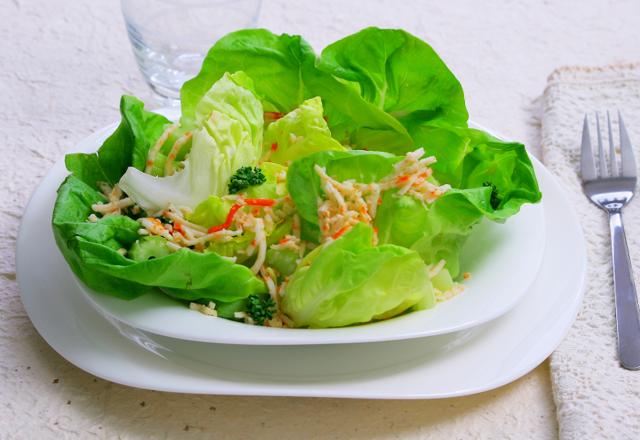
x=210 y=212
x=245 y=177
x=234 y=247
x=299 y=133
x=284 y=261
x=443 y=281
x=148 y=248
x=260 y=308
x=228 y=309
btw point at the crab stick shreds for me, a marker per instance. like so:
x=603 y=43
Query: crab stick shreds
x=260 y=202
x=273 y=116
x=153 y=151
x=340 y=231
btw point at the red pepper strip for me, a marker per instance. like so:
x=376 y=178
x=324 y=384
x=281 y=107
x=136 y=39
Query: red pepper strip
x=228 y=221
x=341 y=231
x=260 y=202
x=273 y=115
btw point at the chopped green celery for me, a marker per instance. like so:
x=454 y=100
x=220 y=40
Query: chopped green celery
x=442 y=281
x=149 y=247
x=284 y=261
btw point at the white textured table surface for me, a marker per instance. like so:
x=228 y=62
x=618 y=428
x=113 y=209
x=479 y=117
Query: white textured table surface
x=63 y=67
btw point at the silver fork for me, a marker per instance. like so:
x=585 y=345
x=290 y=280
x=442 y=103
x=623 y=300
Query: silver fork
x=611 y=191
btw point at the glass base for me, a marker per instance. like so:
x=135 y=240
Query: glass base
x=165 y=97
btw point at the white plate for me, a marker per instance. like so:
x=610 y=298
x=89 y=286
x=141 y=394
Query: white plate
x=503 y=259
x=442 y=366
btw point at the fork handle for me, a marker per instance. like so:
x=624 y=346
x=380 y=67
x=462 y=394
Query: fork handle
x=627 y=316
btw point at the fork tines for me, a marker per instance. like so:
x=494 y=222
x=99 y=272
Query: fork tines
x=606 y=168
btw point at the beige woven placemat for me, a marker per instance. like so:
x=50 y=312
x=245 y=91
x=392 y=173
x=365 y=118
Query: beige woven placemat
x=595 y=397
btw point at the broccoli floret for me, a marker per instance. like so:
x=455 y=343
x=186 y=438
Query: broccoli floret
x=261 y=308
x=494 y=201
x=245 y=177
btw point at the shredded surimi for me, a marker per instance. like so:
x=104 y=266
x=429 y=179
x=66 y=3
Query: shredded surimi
x=348 y=203
x=153 y=151
x=114 y=207
x=261 y=240
x=345 y=205
x=205 y=310
x=176 y=217
x=448 y=294
x=435 y=269
x=175 y=150
x=155 y=227
x=271 y=285
x=411 y=177
x=290 y=242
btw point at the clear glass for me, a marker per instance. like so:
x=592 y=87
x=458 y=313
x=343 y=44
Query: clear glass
x=171 y=37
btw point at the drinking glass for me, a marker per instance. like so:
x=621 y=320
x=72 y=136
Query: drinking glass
x=170 y=38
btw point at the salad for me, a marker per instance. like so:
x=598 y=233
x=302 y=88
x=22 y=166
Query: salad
x=296 y=190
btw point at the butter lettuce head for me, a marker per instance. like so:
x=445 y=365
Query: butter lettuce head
x=227 y=135
x=350 y=281
x=380 y=93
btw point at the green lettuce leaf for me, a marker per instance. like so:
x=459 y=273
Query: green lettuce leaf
x=91 y=249
x=274 y=63
x=437 y=230
x=128 y=146
x=398 y=73
x=299 y=133
x=374 y=79
x=230 y=137
x=349 y=281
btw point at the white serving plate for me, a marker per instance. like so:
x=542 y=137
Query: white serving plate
x=450 y=365
x=502 y=258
